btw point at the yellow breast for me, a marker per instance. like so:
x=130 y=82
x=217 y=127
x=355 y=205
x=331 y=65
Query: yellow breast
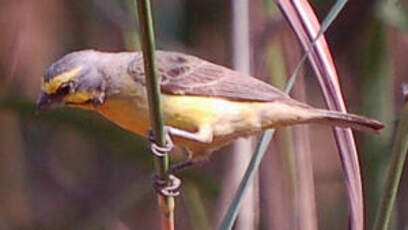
x=126 y=113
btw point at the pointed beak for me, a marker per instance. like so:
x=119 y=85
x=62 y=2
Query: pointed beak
x=46 y=102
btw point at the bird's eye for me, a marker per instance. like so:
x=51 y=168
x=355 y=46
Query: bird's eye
x=64 y=90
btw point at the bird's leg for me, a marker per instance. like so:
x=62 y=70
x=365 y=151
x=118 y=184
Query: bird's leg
x=179 y=166
x=204 y=134
x=170 y=188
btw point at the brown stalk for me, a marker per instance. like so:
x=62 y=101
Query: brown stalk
x=305 y=193
x=306 y=26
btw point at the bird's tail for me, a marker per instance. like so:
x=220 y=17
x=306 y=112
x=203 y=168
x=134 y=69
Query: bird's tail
x=347 y=120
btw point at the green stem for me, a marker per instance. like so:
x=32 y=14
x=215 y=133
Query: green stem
x=166 y=204
x=399 y=152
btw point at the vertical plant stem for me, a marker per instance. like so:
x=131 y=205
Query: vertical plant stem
x=242 y=147
x=305 y=210
x=277 y=76
x=378 y=83
x=253 y=166
x=399 y=152
x=166 y=204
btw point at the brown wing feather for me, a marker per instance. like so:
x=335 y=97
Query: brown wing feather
x=183 y=74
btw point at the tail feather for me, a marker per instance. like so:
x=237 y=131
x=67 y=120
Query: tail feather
x=347 y=120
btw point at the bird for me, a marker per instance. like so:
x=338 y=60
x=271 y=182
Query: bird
x=205 y=105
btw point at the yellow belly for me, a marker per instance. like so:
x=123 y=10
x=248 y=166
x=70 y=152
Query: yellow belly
x=227 y=119
x=183 y=112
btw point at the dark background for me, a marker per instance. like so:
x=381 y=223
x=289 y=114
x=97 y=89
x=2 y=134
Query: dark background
x=71 y=169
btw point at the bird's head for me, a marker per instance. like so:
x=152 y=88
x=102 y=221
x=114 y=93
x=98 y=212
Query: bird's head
x=74 y=80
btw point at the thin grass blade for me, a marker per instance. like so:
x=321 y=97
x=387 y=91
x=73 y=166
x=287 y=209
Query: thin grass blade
x=399 y=153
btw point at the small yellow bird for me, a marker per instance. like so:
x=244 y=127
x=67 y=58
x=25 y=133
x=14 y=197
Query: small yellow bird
x=205 y=105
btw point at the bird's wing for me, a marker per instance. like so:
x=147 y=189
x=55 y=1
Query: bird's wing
x=182 y=74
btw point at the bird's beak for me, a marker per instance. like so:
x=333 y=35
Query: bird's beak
x=46 y=102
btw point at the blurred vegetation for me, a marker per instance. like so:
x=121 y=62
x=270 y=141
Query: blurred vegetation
x=72 y=169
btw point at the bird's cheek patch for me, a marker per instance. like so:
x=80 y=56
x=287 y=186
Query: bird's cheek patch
x=81 y=97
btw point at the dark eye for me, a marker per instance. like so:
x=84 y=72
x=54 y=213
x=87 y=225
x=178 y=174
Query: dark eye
x=64 y=90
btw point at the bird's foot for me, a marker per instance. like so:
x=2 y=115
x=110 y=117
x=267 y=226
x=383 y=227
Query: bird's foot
x=170 y=188
x=159 y=151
